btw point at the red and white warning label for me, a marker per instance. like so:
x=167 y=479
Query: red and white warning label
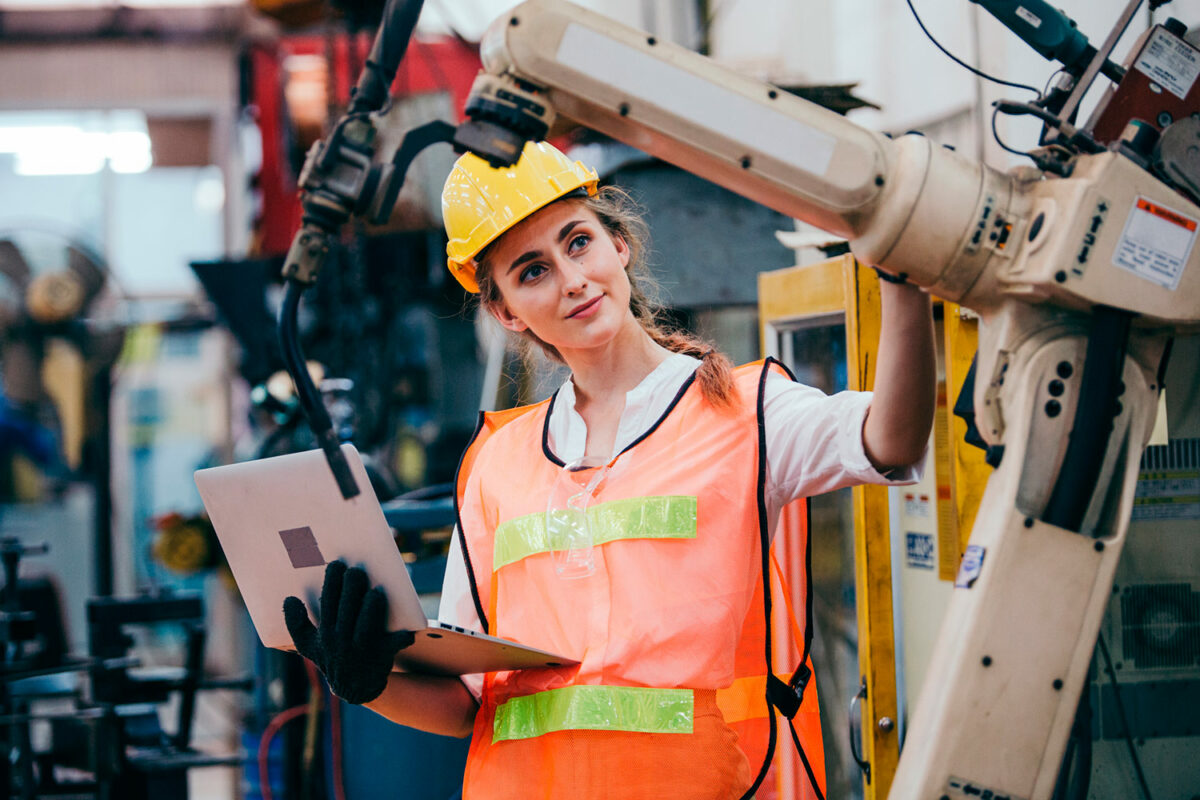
x=1156 y=243
x=1170 y=62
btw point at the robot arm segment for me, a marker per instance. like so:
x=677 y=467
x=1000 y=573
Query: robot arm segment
x=754 y=139
x=778 y=149
x=963 y=230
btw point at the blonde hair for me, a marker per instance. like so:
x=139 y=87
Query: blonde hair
x=620 y=216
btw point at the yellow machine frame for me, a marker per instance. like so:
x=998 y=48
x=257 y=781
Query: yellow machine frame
x=842 y=286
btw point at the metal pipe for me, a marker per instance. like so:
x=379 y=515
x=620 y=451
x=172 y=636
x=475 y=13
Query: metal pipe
x=391 y=42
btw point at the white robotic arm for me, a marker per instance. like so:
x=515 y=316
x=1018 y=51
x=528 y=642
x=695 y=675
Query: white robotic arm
x=1080 y=279
x=906 y=205
x=750 y=137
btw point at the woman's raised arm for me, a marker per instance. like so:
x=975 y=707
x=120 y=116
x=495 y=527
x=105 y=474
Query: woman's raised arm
x=905 y=393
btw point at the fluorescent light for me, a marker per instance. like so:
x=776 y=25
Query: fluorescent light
x=209 y=194
x=70 y=150
x=55 y=150
x=19 y=5
x=129 y=151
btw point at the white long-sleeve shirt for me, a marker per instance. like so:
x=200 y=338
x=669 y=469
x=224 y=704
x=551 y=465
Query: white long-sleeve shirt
x=814 y=445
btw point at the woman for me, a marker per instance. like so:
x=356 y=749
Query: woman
x=682 y=464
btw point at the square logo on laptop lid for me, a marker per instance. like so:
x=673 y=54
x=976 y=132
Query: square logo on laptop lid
x=301 y=547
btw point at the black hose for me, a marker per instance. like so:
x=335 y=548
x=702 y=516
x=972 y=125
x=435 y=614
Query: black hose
x=1094 y=412
x=391 y=42
x=310 y=398
x=1133 y=756
x=1081 y=774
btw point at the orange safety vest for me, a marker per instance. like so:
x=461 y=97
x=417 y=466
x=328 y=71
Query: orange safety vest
x=671 y=630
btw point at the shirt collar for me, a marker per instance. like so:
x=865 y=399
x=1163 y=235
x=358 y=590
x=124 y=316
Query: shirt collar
x=644 y=404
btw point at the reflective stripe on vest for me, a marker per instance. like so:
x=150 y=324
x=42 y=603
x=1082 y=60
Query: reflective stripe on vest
x=595 y=708
x=667 y=517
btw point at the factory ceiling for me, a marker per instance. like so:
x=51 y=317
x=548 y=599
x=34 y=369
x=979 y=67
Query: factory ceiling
x=84 y=20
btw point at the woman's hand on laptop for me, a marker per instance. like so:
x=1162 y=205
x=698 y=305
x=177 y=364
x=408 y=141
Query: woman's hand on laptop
x=351 y=644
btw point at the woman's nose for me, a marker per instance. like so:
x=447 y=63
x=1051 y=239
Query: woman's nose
x=573 y=278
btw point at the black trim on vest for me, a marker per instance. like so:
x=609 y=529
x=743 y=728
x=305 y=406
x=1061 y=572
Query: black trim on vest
x=787 y=692
x=808 y=594
x=462 y=537
x=687 y=384
x=546 y=451
x=791 y=375
x=765 y=548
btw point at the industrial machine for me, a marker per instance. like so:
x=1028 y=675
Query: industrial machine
x=1082 y=267
x=53 y=291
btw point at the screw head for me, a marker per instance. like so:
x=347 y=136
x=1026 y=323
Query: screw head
x=1065 y=369
x=1058 y=684
x=1053 y=408
x=987 y=661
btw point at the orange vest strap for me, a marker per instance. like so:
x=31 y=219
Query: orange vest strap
x=489 y=422
x=797 y=631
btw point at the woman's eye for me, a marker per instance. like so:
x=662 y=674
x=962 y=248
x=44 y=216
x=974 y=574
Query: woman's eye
x=578 y=242
x=531 y=272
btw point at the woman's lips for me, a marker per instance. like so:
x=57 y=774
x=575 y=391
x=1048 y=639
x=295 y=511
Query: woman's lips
x=586 y=309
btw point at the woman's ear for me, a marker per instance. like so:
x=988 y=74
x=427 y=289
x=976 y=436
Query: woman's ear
x=506 y=318
x=622 y=248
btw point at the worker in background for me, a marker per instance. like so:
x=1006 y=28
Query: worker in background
x=620 y=522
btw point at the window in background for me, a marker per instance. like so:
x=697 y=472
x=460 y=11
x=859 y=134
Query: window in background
x=140 y=191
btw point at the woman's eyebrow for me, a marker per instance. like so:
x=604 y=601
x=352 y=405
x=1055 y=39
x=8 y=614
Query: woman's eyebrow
x=521 y=259
x=566 y=229
x=563 y=233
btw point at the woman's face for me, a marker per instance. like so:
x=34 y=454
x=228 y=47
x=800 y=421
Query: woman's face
x=561 y=276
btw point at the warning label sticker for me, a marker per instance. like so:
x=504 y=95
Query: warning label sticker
x=919 y=550
x=1169 y=62
x=1167 y=495
x=1156 y=243
x=1168 y=485
x=1030 y=17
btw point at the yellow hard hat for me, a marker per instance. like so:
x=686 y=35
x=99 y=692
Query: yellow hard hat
x=479 y=202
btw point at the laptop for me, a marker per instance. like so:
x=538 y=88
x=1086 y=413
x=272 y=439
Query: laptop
x=280 y=520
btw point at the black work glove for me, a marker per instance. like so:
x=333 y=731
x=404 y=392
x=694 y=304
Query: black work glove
x=351 y=645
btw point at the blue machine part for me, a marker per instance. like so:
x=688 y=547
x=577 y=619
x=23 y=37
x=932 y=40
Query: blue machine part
x=22 y=433
x=380 y=757
x=1047 y=30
